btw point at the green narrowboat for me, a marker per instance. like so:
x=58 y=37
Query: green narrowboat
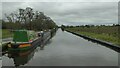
x=23 y=40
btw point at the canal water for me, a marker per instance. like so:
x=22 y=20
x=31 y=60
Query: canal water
x=65 y=49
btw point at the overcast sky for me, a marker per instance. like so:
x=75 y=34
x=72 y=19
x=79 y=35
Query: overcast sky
x=70 y=13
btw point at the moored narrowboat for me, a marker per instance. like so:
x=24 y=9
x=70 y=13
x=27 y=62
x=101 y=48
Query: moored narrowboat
x=23 y=40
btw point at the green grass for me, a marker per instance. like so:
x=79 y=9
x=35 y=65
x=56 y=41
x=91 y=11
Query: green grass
x=101 y=36
x=6 y=33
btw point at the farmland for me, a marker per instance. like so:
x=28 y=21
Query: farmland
x=105 y=33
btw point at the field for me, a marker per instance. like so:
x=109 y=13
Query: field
x=106 y=33
x=6 y=33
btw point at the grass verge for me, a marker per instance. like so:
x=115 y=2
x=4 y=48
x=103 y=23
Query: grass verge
x=103 y=36
x=6 y=33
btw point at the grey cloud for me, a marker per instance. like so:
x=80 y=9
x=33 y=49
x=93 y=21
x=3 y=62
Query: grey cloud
x=71 y=13
x=0 y=10
x=60 y=0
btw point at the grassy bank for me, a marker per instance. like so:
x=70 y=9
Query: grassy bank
x=109 y=34
x=6 y=33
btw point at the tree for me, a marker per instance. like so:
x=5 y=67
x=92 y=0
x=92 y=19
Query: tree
x=29 y=19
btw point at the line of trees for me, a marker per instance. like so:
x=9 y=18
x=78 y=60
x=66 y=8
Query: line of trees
x=28 y=19
x=88 y=26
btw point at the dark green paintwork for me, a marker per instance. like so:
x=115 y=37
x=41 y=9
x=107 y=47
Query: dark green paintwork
x=23 y=35
x=20 y=36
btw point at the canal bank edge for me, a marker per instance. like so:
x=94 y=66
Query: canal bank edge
x=104 y=43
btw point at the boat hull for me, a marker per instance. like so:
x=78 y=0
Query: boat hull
x=23 y=46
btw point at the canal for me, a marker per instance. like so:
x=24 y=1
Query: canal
x=65 y=49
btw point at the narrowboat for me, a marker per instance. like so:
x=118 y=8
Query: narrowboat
x=23 y=40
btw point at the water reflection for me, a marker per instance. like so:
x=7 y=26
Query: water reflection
x=62 y=29
x=22 y=58
x=46 y=39
x=108 y=46
x=66 y=49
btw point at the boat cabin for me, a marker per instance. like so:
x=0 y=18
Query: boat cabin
x=24 y=36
